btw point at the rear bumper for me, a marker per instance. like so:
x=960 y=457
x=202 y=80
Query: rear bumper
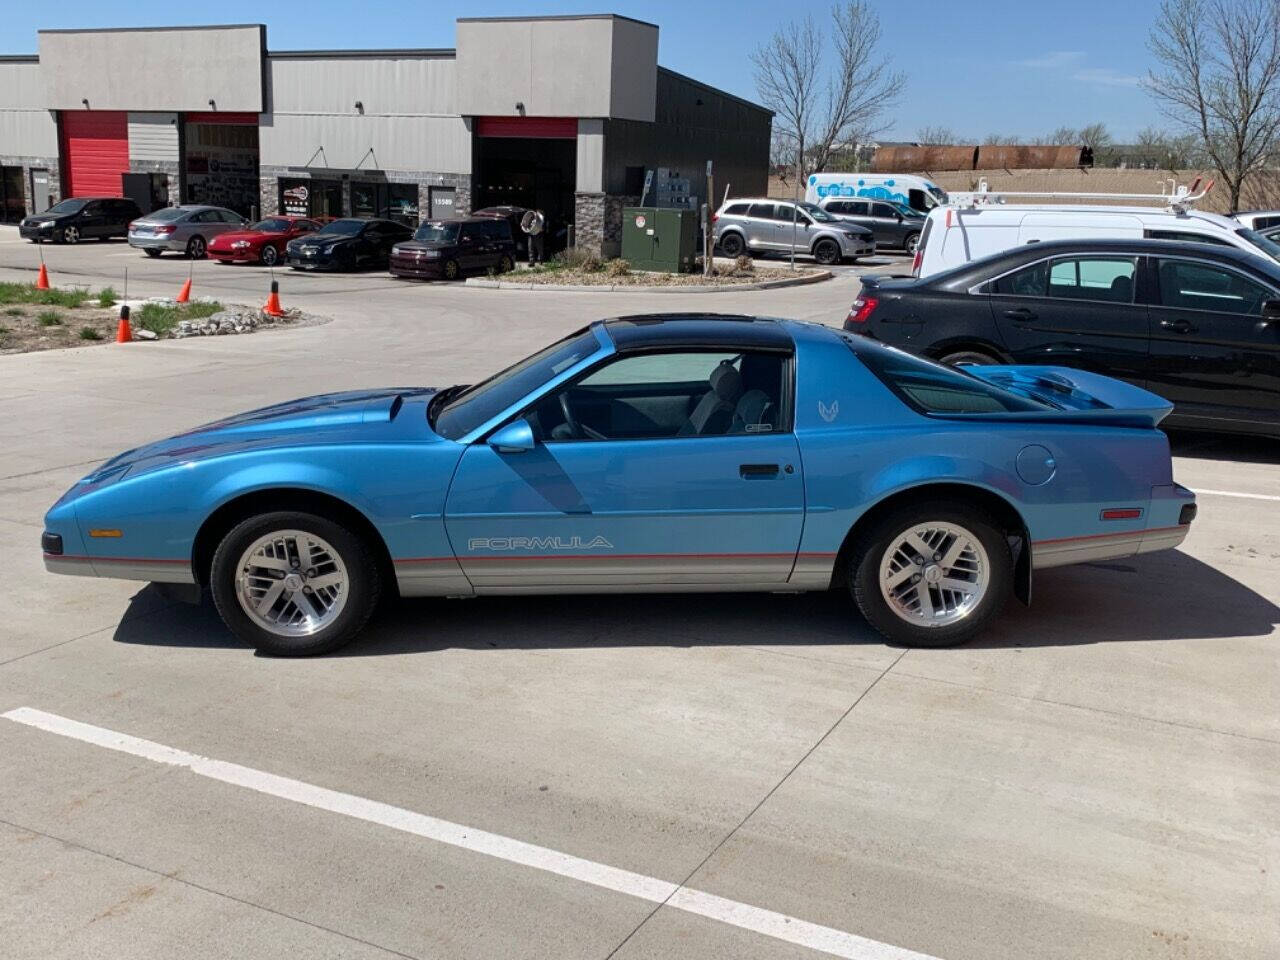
x=1169 y=519
x=154 y=243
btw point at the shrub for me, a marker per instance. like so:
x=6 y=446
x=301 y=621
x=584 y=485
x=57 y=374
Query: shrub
x=161 y=319
x=106 y=297
x=88 y=333
x=744 y=265
x=49 y=318
x=577 y=258
x=13 y=311
x=617 y=267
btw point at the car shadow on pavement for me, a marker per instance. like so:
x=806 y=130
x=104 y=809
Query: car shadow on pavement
x=1164 y=596
x=1235 y=448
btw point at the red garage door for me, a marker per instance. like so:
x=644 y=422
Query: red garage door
x=534 y=128
x=95 y=152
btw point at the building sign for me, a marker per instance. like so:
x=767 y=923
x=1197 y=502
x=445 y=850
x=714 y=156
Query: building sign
x=295 y=200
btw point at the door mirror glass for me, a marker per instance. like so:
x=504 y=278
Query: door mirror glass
x=1271 y=309
x=515 y=437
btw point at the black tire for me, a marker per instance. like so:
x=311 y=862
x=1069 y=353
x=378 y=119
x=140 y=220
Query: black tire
x=974 y=358
x=451 y=270
x=732 y=245
x=197 y=248
x=869 y=550
x=270 y=255
x=910 y=242
x=505 y=264
x=365 y=584
x=826 y=252
x=151 y=253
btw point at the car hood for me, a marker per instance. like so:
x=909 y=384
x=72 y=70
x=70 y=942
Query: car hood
x=231 y=236
x=321 y=237
x=328 y=418
x=411 y=246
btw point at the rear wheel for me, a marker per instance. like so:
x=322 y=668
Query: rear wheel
x=505 y=264
x=270 y=255
x=150 y=253
x=972 y=358
x=911 y=242
x=826 y=252
x=196 y=248
x=294 y=584
x=931 y=574
x=732 y=245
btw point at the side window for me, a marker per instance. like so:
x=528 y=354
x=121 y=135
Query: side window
x=306 y=226
x=1186 y=285
x=884 y=211
x=229 y=216
x=859 y=207
x=1093 y=278
x=207 y=216
x=94 y=209
x=764 y=211
x=736 y=210
x=840 y=206
x=667 y=395
x=1027 y=282
x=469 y=233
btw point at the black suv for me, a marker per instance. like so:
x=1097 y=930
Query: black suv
x=81 y=218
x=446 y=249
x=1196 y=323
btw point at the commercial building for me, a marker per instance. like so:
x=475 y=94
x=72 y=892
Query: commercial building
x=567 y=114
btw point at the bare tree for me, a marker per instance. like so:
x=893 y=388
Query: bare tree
x=1220 y=79
x=1064 y=137
x=1095 y=135
x=1001 y=139
x=936 y=136
x=819 y=111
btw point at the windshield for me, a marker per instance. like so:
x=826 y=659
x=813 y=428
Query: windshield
x=486 y=400
x=271 y=226
x=437 y=233
x=343 y=228
x=1263 y=243
x=67 y=206
x=938 y=193
x=816 y=212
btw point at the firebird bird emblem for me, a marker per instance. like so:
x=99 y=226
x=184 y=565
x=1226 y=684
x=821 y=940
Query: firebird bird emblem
x=538 y=543
x=828 y=413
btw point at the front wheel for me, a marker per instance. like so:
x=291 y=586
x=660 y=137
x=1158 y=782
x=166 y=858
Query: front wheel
x=826 y=252
x=270 y=256
x=504 y=264
x=150 y=252
x=196 y=248
x=451 y=270
x=71 y=235
x=932 y=574
x=911 y=243
x=294 y=584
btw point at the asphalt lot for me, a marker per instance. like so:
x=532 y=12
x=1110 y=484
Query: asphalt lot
x=1099 y=777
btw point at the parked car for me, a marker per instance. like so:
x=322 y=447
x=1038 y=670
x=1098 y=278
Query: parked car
x=956 y=235
x=185 y=229
x=645 y=454
x=262 y=242
x=777 y=226
x=1259 y=220
x=917 y=193
x=80 y=218
x=512 y=215
x=892 y=225
x=347 y=244
x=447 y=249
x=1196 y=323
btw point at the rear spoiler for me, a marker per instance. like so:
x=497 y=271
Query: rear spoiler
x=1080 y=396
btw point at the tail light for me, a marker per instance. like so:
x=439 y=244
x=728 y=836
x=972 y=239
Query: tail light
x=862 y=309
x=165 y=230
x=915 y=263
x=133 y=225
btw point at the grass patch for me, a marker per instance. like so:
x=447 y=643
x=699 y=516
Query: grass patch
x=27 y=293
x=161 y=319
x=4 y=335
x=88 y=333
x=107 y=297
x=13 y=311
x=49 y=318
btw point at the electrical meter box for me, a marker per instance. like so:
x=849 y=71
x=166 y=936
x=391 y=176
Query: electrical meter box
x=659 y=238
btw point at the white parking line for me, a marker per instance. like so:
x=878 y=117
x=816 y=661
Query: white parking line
x=779 y=926
x=1233 y=493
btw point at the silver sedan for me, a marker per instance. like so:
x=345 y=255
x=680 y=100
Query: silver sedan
x=185 y=229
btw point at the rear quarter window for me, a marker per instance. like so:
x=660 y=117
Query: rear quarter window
x=736 y=210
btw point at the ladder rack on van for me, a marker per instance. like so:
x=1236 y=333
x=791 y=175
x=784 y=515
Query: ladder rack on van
x=1178 y=198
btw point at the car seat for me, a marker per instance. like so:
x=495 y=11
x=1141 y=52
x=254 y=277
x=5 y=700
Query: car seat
x=713 y=413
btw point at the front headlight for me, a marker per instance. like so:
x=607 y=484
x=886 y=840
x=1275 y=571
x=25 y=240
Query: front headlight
x=240 y=245
x=47 y=223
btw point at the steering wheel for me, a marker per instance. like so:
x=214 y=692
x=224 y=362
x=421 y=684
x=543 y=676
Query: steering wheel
x=579 y=430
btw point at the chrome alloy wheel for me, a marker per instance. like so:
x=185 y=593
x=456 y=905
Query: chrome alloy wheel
x=934 y=574
x=291 y=583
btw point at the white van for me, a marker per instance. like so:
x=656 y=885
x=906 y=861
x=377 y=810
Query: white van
x=955 y=235
x=904 y=188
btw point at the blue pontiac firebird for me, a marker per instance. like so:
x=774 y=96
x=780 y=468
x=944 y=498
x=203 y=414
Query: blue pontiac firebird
x=650 y=454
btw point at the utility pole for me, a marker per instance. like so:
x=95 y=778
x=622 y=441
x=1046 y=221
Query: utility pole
x=708 y=235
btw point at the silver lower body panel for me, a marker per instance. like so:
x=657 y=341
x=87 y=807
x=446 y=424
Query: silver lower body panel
x=1107 y=546
x=122 y=568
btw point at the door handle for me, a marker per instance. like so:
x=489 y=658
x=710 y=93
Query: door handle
x=757 y=471
x=1178 y=326
x=1020 y=315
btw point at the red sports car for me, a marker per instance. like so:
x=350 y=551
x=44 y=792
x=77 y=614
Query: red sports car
x=262 y=242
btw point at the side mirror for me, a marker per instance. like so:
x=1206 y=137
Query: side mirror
x=1271 y=309
x=515 y=437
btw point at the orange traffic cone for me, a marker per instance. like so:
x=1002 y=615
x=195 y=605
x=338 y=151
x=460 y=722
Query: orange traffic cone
x=124 y=332
x=42 y=281
x=185 y=293
x=272 y=309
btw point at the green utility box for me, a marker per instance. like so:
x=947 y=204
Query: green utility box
x=660 y=238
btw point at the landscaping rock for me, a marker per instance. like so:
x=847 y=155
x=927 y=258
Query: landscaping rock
x=141 y=334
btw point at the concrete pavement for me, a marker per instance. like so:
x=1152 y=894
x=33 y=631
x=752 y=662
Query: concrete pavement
x=1099 y=776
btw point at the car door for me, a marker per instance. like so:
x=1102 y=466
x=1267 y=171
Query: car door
x=1075 y=311
x=93 y=220
x=1213 y=351
x=760 y=225
x=470 y=247
x=886 y=224
x=642 y=498
x=792 y=228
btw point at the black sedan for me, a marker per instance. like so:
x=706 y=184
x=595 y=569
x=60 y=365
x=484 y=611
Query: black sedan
x=1196 y=323
x=347 y=244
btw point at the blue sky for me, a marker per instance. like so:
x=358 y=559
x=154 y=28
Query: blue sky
x=977 y=66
